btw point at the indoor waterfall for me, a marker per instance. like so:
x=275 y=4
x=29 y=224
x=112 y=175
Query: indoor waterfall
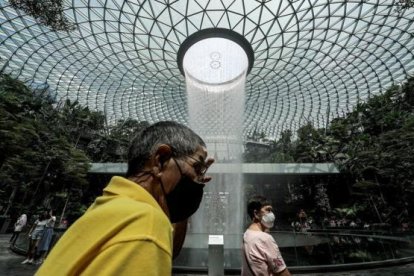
x=215 y=73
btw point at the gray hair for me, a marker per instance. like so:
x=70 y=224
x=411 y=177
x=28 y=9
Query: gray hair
x=182 y=140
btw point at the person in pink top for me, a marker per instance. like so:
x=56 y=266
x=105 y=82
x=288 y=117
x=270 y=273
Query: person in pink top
x=261 y=255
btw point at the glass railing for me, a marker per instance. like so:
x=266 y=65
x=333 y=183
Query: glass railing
x=302 y=251
x=305 y=251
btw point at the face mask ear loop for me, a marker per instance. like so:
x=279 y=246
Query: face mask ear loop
x=144 y=173
x=162 y=185
x=179 y=168
x=162 y=188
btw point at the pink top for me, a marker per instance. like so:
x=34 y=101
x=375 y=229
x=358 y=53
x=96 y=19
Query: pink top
x=262 y=253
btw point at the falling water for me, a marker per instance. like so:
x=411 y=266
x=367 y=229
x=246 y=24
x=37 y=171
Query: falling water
x=215 y=81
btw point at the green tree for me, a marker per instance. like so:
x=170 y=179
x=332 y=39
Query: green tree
x=112 y=145
x=47 y=12
x=282 y=150
x=377 y=142
x=39 y=156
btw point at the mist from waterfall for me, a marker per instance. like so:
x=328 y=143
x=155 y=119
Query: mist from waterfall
x=216 y=114
x=215 y=73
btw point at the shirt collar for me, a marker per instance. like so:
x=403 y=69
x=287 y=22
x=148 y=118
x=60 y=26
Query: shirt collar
x=124 y=187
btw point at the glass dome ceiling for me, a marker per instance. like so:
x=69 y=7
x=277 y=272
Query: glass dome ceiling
x=314 y=60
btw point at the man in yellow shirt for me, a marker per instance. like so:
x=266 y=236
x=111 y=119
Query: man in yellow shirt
x=128 y=230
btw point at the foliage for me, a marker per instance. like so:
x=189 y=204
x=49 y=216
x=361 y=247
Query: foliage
x=404 y=4
x=112 y=146
x=311 y=146
x=321 y=199
x=38 y=157
x=47 y=146
x=379 y=151
x=47 y=12
x=372 y=145
x=351 y=211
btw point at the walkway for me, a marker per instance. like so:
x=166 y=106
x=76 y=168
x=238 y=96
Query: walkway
x=10 y=262
x=10 y=265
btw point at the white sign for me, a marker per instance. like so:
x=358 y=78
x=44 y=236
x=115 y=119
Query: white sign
x=215 y=240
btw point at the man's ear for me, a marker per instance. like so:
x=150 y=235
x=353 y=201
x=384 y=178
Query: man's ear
x=163 y=154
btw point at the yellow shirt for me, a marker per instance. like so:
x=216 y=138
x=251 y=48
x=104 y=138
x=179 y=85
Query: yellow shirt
x=124 y=232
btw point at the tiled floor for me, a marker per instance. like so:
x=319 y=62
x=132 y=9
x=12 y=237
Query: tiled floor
x=10 y=265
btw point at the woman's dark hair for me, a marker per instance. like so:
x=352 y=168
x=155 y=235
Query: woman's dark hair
x=43 y=215
x=180 y=138
x=256 y=203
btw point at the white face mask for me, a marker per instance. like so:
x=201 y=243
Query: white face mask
x=268 y=220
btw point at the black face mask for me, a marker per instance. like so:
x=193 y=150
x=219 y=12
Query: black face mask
x=185 y=199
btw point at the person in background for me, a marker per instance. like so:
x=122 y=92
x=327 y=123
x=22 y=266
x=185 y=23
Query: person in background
x=261 y=255
x=18 y=227
x=44 y=244
x=128 y=230
x=35 y=234
x=63 y=223
x=302 y=215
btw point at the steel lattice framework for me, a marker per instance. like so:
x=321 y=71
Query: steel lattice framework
x=314 y=60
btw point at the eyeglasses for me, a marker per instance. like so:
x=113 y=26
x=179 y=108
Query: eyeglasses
x=200 y=167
